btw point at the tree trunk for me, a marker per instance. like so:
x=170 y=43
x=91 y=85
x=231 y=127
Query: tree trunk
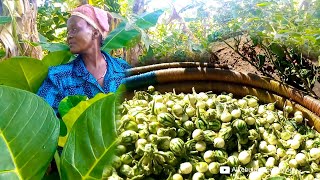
x=132 y=54
x=17 y=37
x=29 y=30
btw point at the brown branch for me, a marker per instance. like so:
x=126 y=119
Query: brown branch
x=246 y=59
x=300 y=75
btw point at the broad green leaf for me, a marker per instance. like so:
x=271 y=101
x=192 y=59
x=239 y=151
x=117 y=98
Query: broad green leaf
x=149 y=20
x=57 y=58
x=42 y=38
x=145 y=39
x=29 y=132
x=91 y=141
x=276 y=49
x=5 y=19
x=255 y=40
x=74 y=113
x=264 y=4
x=54 y=46
x=148 y=56
x=119 y=37
x=69 y=102
x=23 y=73
x=65 y=105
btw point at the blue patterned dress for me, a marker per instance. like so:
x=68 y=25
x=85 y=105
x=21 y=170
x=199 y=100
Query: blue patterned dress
x=74 y=79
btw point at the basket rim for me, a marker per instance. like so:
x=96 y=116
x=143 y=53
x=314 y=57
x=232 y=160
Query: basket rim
x=194 y=72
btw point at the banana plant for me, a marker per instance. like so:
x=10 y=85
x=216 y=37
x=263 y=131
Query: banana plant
x=20 y=28
x=127 y=32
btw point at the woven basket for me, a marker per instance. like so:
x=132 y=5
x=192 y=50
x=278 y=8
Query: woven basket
x=203 y=77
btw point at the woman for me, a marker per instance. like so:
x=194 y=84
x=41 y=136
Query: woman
x=93 y=71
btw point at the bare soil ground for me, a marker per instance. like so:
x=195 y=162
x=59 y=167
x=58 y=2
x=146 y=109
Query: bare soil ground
x=227 y=56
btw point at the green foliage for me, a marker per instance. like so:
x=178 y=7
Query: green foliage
x=283 y=22
x=28 y=134
x=73 y=113
x=276 y=178
x=276 y=37
x=112 y=5
x=183 y=35
x=281 y=34
x=23 y=72
x=91 y=142
x=67 y=103
x=52 y=47
x=2 y=53
x=28 y=73
x=126 y=32
x=56 y=58
x=52 y=22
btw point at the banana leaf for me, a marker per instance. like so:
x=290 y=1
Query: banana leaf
x=122 y=36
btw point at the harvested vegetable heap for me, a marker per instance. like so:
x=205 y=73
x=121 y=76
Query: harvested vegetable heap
x=190 y=136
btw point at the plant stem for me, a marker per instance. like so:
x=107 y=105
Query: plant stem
x=300 y=76
x=269 y=54
x=246 y=59
x=57 y=159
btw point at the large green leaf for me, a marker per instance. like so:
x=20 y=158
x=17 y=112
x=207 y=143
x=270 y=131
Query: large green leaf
x=71 y=114
x=23 y=73
x=29 y=133
x=277 y=50
x=57 y=58
x=91 y=141
x=54 y=46
x=120 y=37
x=67 y=103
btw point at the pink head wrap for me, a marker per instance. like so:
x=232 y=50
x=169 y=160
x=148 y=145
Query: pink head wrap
x=96 y=17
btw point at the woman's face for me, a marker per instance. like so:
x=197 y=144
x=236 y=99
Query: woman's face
x=79 y=35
